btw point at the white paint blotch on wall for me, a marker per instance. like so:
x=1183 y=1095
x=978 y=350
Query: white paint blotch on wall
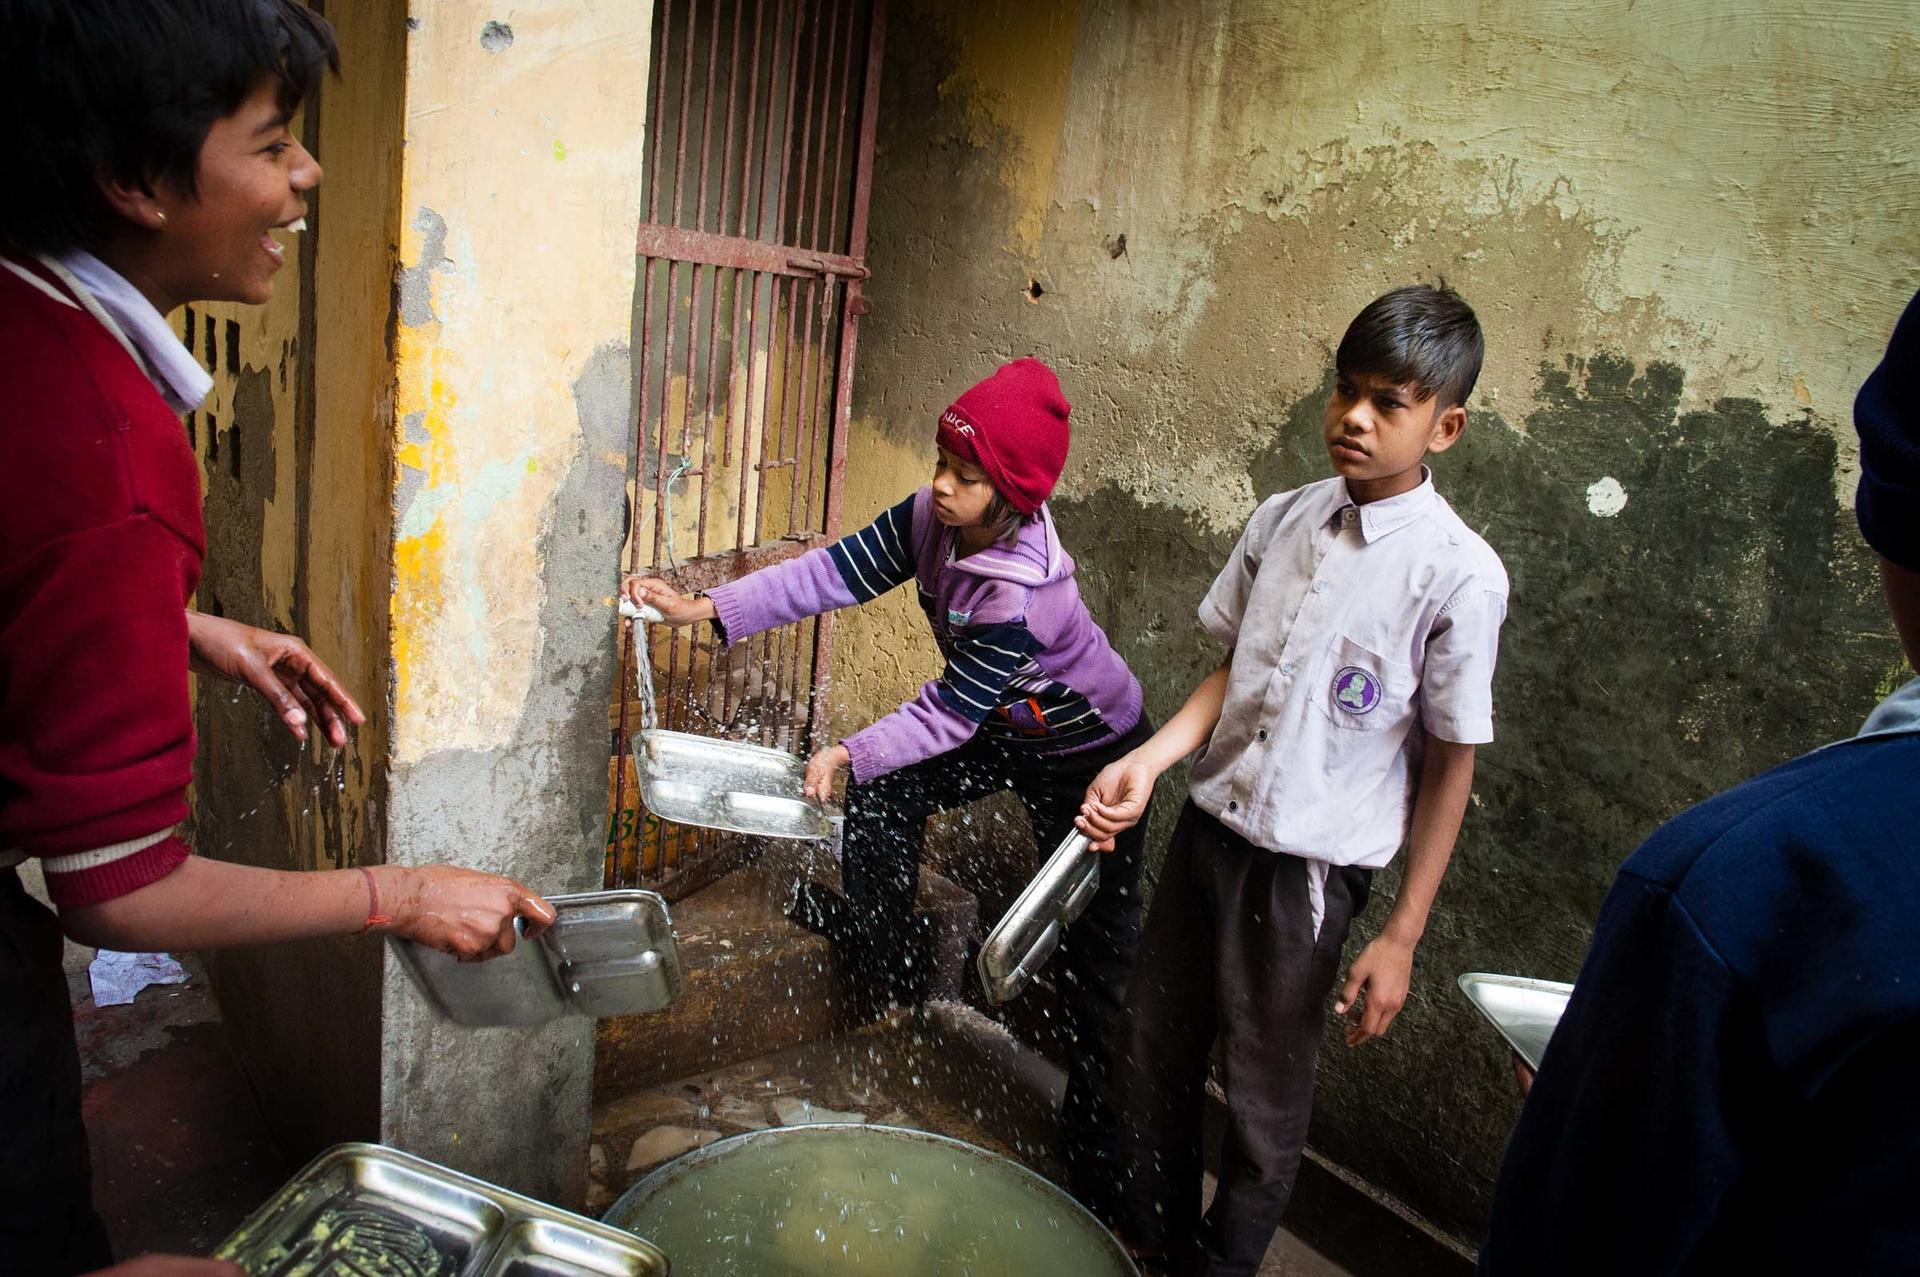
x=1606 y=498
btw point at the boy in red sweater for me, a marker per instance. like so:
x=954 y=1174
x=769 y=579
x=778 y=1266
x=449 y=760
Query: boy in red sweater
x=149 y=163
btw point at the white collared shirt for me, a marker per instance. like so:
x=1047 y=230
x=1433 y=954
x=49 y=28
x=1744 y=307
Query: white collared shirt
x=1353 y=629
x=175 y=373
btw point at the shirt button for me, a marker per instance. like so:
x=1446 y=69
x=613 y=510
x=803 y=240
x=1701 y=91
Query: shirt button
x=1350 y=514
x=1319 y=586
x=1233 y=806
x=1286 y=667
x=1261 y=734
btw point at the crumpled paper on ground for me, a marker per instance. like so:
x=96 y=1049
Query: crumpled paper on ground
x=117 y=977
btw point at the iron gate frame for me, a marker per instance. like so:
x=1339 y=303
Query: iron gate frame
x=763 y=263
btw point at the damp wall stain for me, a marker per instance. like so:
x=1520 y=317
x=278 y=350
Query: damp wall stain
x=1680 y=288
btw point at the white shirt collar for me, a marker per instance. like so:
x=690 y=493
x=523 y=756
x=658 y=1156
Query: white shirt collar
x=175 y=373
x=1377 y=518
x=1897 y=715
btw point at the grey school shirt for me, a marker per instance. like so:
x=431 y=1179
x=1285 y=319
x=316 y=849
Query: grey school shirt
x=1354 y=630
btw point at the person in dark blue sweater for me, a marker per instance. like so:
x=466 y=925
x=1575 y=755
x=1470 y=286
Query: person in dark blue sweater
x=1735 y=1086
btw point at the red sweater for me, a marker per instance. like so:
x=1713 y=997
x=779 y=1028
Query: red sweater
x=101 y=543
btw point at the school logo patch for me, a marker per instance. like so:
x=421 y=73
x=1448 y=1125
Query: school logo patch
x=1356 y=690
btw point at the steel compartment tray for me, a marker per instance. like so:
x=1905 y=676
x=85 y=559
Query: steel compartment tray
x=729 y=785
x=360 y=1208
x=1022 y=941
x=1525 y=1011
x=607 y=953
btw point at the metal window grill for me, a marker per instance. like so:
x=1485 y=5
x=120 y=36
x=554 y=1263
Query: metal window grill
x=751 y=257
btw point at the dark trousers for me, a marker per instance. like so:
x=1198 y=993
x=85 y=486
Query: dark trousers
x=884 y=836
x=47 y=1221
x=1228 y=950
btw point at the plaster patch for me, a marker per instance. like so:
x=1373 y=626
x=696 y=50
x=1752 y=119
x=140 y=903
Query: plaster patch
x=416 y=281
x=1606 y=498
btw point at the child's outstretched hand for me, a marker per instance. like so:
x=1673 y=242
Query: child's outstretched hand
x=821 y=769
x=1114 y=801
x=1383 y=973
x=677 y=608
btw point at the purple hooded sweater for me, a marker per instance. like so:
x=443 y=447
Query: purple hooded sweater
x=1025 y=661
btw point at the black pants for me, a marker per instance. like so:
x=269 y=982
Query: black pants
x=885 y=832
x=47 y=1221
x=1229 y=950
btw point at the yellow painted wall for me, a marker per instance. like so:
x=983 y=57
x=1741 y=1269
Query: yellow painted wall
x=527 y=156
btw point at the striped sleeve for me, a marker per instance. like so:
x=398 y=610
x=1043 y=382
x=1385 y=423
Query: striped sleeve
x=981 y=666
x=851 y=571
x=879 y=557
x=949 y=710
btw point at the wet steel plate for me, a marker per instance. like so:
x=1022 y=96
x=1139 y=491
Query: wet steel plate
x=1525 y=1011
x=607 y=953
x=1022 y=941
x=729 y=785
x=366 y=1209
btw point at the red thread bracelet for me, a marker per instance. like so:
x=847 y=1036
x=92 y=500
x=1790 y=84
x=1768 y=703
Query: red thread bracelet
x=374 y=917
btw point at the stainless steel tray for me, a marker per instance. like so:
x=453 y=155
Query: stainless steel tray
x=1022 y=941
x=364 y=1208
x=1525 y=1011
x=716 y=784
x=607 y=953
x=724 y=784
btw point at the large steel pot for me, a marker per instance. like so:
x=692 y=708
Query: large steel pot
x=852 y=1200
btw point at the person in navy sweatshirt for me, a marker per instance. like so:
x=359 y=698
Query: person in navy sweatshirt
x=1032 y=698
x=1735 y=1086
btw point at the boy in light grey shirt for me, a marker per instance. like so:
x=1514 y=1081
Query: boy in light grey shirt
x=1362 y=618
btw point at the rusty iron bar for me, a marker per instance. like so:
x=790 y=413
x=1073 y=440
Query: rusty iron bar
x=753 y=102
x=799 y=186
x=733 y=99
x=786 y=140
x=630 y=636
x=782 y=264
x=726 y=186
x=851 y=308
x=708 y=249
x=801 y=423
x=686 y=104
x=804 y=423
x=706 y=113
x=833 y=242
x=826 y=102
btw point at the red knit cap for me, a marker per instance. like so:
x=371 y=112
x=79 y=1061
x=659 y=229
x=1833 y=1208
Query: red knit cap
x=1013 y=425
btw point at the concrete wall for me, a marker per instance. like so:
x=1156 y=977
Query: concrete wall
x=519 y=189
x=1687 y=228
x=294 y=452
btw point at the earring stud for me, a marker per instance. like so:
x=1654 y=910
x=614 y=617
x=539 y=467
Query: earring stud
x=160 y=215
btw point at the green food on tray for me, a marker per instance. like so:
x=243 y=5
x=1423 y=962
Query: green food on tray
x=358 y=1241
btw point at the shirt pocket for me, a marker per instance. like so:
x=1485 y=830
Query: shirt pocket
x=1361 y=690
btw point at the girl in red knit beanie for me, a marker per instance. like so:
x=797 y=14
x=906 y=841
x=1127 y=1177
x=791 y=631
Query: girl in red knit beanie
x=1032 y=698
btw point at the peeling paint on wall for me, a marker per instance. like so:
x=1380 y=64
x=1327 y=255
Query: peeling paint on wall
x=503 y=300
